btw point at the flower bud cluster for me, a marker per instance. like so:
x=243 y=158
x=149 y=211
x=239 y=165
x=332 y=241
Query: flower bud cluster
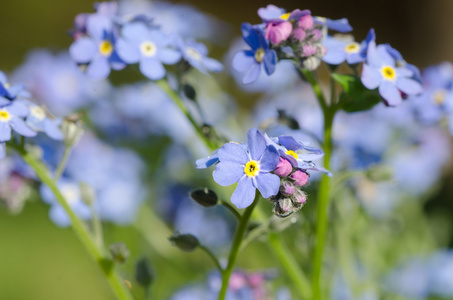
x=290 y=197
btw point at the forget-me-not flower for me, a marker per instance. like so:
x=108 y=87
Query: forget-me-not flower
x=250 y=168
x=380 y=71
x=196 y=55
x=11 y=117
x=250 y=61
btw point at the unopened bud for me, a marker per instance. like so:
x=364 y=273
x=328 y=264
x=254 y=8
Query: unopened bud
x=189 y=92
x=205 y=197
x=311 y=63
x=287 y=188
x=283 y=207
x=185 y=242
x=119 y=251
x=143 y=272
x=300 y=177
x=72 y=130
x=284 y=168
x=306 y=22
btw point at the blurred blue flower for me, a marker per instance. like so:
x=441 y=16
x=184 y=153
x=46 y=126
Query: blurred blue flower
x=149 y=47
x=274 y=14
x=98 y=48
x=11 y=117
x=250 y=61
x=380 y=71
x=340 y=50
x=340 y=25
x=250 y=168
x=8 y=92
x=39 y=121
x=196 y=55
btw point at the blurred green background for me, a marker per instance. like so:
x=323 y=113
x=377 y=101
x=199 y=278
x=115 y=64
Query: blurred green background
x=41 y=261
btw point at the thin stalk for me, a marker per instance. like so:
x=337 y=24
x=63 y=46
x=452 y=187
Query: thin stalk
x=281 y=251
x=323 y=206
x=97 y=228
x=178 y=101
x=212 y=256
x=240 y=231
x=113 y=278
x=308 y=75
x=231 y=209
x=63 y=162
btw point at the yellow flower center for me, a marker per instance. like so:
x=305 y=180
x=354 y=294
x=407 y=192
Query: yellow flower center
x=106 y=48
x=352 y=48
x=438 y=96
x=388 y=73
x=37 y=112
x=4 y=116
x=285 y=16
x=292 y=153
x=193 y=53
x=259 y=55
x=6 y=85
x=148 y=48
x=252 y=168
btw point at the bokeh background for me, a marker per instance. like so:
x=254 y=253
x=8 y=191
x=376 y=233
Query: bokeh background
x=39 y=260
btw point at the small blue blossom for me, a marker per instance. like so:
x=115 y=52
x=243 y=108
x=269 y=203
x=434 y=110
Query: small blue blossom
x=11 y=117
x=149 y=47
x=98 y=48
x=196 y=55
x=39 y=121
x=380 y=71
x=340 y=25
x=250 y=168
x=274 y=14
x=8 y=92
x=337 y=51
x=250 y=61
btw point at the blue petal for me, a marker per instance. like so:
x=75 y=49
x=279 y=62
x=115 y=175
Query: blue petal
x=227 y=173
x=152 y=68
x=371 y=77
x=250 y=35
x=52 y=129
x=404 y=72
x=83 y=50
x=408 y=86
x=384 y=56
x=252 y=74
x=270 y=12
x=270 y=61
x=268 y=184
x=206 y=162
x=4 y=101
x=256 y=144
x=232 y=152
x=136 y=32
x=2 y=151
x=290 y=143
x=5 y=132
x=127 y=51
x=3 y=78
x=213 y=65
x=58 y=215
x=390 y=93
x=20 y=127
x=244 y=194
x=270 y=159
x=99 y=67
x=98 y=25
x=243 y=60
x=18 y=109
x=169 y=56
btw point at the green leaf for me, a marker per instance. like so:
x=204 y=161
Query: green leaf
x=355 y=97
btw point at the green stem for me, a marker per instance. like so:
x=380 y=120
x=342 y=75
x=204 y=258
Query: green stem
x=231 y=209
x=212 y=256
x=308 y=75
x=97 y=228
x=62 y=164
x=291 y=266
x=323 y=206
x=113 y=278
x=178 y=101
x=240 y=231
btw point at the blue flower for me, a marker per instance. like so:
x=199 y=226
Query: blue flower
x=8 y=92
x=196 y=55
x=380 y=71
x=250 y=168
x=340 y=50
x=98 y=48
x=274 y=14
x=11 y=118
x=150 y=48
x=250 y=61
x=39 y=121
x=400 y=62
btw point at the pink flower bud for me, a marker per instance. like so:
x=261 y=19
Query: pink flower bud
x=309 y=50
x=306 y=22
x=299 y=34
x=317 y=35
x=287 y=188
x=300 y=198
x=284 y=168
x=277 y=33
x=300 y=177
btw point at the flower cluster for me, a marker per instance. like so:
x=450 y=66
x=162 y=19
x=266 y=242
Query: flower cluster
x=22 y=116
x=105 y=41
x=277 y=167
x=295 y=35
